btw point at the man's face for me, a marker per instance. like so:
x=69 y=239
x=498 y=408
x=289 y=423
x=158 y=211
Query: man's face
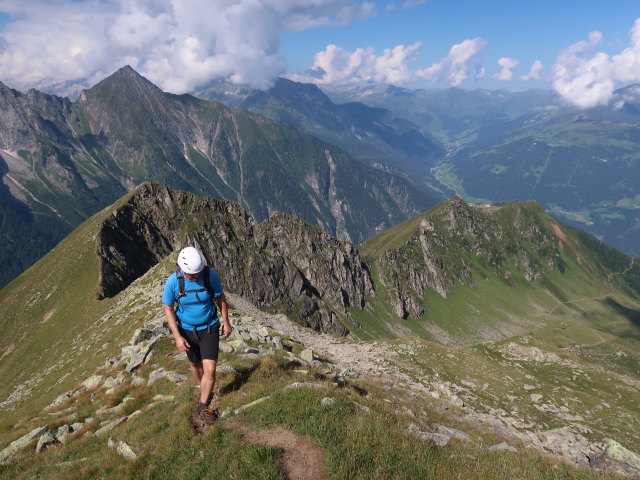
x=192 y=277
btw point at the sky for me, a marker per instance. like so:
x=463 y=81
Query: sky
x=584 y=50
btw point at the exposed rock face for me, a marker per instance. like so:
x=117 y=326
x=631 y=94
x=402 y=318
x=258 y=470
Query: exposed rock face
x=456 y=240
x=283 y=263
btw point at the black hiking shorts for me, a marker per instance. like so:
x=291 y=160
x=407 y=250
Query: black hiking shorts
x=203 y=343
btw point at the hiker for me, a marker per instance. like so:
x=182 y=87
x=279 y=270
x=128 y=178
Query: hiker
x=195 y=289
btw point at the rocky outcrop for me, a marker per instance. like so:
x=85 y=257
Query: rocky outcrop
x=283 y=263
x=456 y=240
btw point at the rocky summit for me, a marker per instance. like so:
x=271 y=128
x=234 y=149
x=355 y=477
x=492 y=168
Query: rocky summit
x=478 y=340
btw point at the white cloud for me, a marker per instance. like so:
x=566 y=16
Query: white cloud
x=339 y=66
x=335 y=65
x=534 y=72
x=454 y=68
x=506 y=64
x=587 y=78
x=178 y=44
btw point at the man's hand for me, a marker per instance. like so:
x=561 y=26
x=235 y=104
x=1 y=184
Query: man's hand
x=226 y=329
x=182 y=343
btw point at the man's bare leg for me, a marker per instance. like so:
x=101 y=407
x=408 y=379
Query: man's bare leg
x=196 y=371
x=207 y=379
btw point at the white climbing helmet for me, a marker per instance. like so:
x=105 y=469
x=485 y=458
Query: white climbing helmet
x=190 y=261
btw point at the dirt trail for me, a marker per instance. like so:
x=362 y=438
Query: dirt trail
x=302 y=458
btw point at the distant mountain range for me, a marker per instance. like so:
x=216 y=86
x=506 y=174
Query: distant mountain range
x=582 y=165
x=375 y=136
x=61 y=161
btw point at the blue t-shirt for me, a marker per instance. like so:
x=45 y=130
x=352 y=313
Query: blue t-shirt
x=195 y=308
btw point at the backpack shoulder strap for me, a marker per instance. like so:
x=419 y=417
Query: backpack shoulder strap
x=206 y=276
x=180 y=277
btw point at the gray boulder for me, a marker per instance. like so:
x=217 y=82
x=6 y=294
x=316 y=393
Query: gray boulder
x=502 y=446
x=46 y=440
x=21 y=443
x=439 y=439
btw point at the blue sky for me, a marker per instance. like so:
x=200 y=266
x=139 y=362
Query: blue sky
x=582 y=49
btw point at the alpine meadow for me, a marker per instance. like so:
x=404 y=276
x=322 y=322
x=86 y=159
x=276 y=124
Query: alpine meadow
x=411 y=229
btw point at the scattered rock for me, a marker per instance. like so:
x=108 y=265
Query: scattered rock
x=164 y=398
x=459 y=434
x=117 y=409
x=327 y=401
x=249 y=405
x=364 y=408
x=142 y=354
x=535 y=397
x=502 y=446
x=60 y=399
x=46 y=440
x=63 y=432
x=123 y=448
x=21 y=443
x=76 y=426
x=140 y=335
x=307 y=355
x=617 y=452
x=112 y=382
x=168 y=374
x=106 y=427
x=92 y=382
x=226 y=369
x=439 y=439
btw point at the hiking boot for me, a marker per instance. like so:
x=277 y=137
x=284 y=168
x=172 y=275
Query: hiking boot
x=208 y=415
